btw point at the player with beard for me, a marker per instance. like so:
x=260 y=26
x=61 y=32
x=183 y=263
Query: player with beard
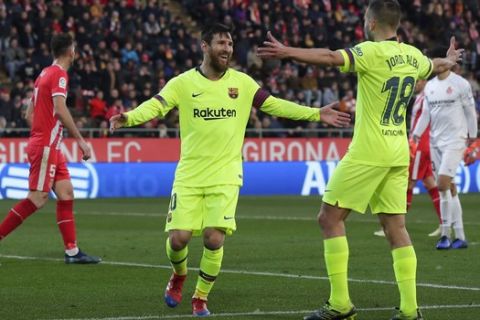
x=374 y=172
x=214 y=103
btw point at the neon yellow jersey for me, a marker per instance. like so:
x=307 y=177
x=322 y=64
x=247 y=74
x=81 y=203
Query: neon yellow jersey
x=213 y=117
x=387 y=72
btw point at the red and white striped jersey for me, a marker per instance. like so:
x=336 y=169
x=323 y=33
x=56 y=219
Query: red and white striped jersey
x=46 y=127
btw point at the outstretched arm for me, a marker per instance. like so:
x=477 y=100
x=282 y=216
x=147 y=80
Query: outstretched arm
x=287 y=109
x=148 y=110
x=275 y=49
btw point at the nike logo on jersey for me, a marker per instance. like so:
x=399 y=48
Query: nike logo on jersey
x=194 y=95
x=227 y=218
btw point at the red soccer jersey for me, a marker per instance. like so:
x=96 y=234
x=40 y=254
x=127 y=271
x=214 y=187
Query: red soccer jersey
x=46 y=127
x=424 y=143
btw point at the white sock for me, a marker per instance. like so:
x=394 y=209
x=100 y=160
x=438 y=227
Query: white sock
x=457 y=218
x=72 y=252
x=445 y=211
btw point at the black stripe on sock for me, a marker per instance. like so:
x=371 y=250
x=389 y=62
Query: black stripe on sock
x=207 y=277
x=178 y=262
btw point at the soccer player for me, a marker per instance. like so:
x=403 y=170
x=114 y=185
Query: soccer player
x=449 y=107
x=375 y=169
x=214 y=102
x=48 y=114
x=420 y=162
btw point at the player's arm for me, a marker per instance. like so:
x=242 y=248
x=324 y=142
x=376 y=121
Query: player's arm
x=453 y=56
x=66 y=119
x=468 y=104
x=157 y=106
x=290 y=110
x=422 y=122
x=29 y=113
x=148 y=110
x=324 y=57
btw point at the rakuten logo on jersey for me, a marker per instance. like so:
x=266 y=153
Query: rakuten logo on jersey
x=214 y=114
x=14 y=180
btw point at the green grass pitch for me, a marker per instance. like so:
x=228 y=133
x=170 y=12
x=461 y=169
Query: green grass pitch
x=273 y=266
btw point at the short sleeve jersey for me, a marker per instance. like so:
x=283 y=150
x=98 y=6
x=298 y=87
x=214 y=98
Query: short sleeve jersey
x=46 y=127
x=213 y=117
x=387 y=72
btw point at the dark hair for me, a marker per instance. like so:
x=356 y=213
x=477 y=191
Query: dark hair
x=437 y=52
x=386 y=12
x=60 y=44
x=212 y=29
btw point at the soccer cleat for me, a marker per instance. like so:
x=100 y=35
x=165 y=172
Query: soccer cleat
x=326 y=312
x=81 y=258
x=173 y=292
x=459 y=244
x=443 y=243
x=379 y=233
x=399 y=315
x=199 y=308
x=437 y=232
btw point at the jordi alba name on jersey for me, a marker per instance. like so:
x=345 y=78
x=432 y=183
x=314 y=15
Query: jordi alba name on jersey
x=387 y=72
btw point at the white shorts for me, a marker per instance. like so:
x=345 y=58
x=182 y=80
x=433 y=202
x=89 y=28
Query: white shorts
x=446 y=161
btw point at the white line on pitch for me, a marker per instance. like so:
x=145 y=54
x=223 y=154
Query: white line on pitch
x=242 y=217
x=263 y=313
x=253 y=273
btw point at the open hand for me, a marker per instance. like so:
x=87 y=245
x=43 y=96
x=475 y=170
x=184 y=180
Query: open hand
x=454 y=55
x=333 y=117
x=272 y=48
x=117 y=121
x=86 y=151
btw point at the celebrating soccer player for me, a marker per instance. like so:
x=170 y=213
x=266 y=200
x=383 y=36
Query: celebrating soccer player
x=375 y=169
x=449 y=108
x=48 y=114
x=214 y=102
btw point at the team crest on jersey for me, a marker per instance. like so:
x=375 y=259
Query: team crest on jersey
x=233 y=93
x=62 y=83
x=449 y=90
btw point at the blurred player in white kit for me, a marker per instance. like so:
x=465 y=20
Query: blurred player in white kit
x=449 y=108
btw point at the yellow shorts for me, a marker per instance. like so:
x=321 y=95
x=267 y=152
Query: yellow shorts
x=355 y=186
x=195 y=209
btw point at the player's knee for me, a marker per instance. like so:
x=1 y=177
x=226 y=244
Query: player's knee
x=178 y=243
x=65 y=194
x=213 y=240
x=39 y=199
x=324 y=222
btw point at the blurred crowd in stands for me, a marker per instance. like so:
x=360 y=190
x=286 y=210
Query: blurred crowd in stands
x=128 y=49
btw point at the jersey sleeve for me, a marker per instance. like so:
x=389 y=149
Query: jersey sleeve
x=358 y=58
x=157 y=106
x=425 y=67
x=59 y=83
x=170 y=96
x=468 y=104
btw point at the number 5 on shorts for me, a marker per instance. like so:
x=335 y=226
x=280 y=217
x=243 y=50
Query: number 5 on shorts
x=52 y=170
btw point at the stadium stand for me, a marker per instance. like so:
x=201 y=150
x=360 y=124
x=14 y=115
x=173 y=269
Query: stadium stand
x=128 y=49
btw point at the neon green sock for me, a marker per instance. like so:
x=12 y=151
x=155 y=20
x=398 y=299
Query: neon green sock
x=209 y=270
x=178 y=259
x=336 y=259
x=405 y=267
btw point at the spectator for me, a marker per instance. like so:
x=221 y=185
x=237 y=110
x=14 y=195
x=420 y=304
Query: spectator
x=14 y=58
x=98 y=108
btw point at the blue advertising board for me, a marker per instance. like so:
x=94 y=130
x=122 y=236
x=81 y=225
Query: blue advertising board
x=107 y=180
